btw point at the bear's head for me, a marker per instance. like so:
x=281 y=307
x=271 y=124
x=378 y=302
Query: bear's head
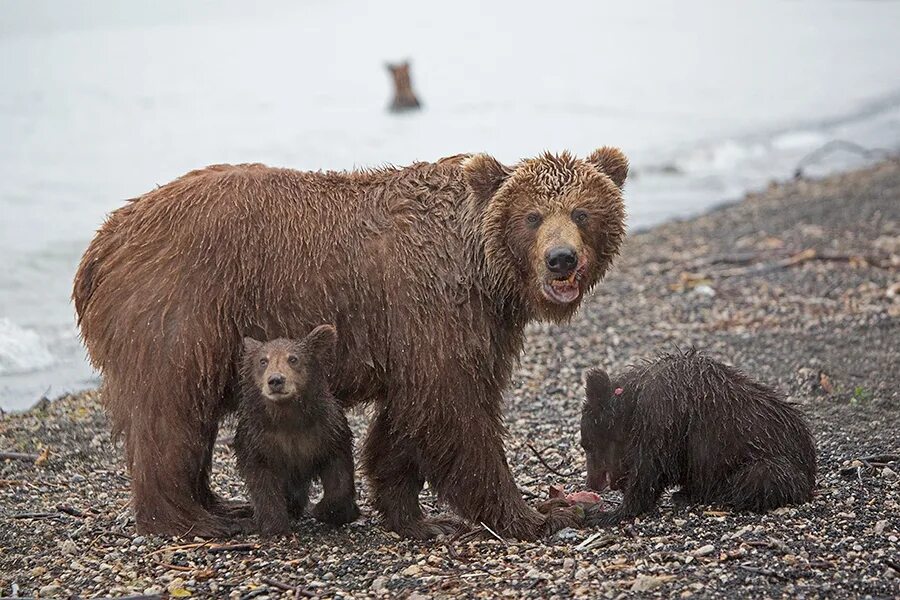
x=551 y=225
x=606 y=420
x=288 y=372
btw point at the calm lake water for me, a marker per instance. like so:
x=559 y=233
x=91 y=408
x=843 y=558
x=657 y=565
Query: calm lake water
x=102 y=100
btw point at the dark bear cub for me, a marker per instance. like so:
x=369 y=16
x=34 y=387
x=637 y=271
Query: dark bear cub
x=291 y=430
x=687 y=420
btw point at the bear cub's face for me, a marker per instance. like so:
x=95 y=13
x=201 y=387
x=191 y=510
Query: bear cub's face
x=551 y=224
x=605 y=426
x=288 y=371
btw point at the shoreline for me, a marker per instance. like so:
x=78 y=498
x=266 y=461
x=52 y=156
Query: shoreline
x=797 y=284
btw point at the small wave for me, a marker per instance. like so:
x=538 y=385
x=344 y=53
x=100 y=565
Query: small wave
x=21 y=350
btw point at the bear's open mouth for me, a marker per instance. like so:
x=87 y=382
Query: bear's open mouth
x=564 y=290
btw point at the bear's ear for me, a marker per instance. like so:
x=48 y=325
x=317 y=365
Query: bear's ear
x=597 y=387
x=251 y=345
x=611 y=162
x=321 y=342
x=484 y=175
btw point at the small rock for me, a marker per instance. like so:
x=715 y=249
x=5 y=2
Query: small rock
x=153 y=590
x=68 y=547
x=645 y=583
x=888 y=473
x=880 y=526
x=679 y=522
x=704 y=550
x=49 y=590
x=566 y=534
x=139 y=541
x=379 y=584
x=569 y=564
x=38 y=571
x=411 y=570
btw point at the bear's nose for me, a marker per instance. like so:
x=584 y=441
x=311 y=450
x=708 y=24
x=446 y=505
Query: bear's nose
x=276 y=382
x=561 y=260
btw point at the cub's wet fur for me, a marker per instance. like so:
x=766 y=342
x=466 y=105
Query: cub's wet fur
x=688 y=420
x=291 y=430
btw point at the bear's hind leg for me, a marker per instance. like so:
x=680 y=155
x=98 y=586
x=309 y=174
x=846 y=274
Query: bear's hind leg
x=396 y=482
x=765 y=485
x=169 y=471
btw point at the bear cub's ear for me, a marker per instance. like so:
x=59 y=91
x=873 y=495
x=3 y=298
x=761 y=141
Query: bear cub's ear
x=484 y=175
x=321 y=342
x=597 y=387
x=612 y=163
x=251 y=345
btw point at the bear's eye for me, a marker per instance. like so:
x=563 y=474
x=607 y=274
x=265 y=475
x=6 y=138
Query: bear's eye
x=292 y=360
x=263 y=362
x=533 y=219
x=580 y=216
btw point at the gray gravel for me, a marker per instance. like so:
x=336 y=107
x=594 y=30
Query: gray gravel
x=736 y=282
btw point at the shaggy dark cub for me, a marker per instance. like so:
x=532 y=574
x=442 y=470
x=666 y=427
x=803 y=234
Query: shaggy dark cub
x=291 y=430
x=688 y=420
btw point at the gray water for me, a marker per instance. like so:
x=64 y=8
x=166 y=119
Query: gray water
x=101 y=101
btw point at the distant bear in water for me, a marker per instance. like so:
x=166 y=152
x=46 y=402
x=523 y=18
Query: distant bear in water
x=290 y=430
x=688 y=420
x=404 y=97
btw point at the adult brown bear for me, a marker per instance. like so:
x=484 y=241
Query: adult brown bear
x=430 y=273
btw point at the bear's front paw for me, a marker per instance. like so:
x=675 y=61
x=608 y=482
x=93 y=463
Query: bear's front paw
x=595 y=517
x=559 y=517
x=336 y=513
x=272 y=525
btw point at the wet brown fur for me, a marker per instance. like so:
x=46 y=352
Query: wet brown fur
x=404 y=97
x=688 y=420
x=429 y=272
x=283 y=442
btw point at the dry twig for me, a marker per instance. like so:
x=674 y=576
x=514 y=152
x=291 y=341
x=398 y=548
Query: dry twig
x=553 y=470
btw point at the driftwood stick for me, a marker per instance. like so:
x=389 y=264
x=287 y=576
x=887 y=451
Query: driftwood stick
x=232 y=548
x=801 y=257
x=70 y=510
x=34 y=515
x=881 y=458
x=171 y=567
x=554 y=470
x=19 y=456
x=493 y=533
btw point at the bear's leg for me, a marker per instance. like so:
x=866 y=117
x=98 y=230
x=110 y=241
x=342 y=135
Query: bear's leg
x=338 y=504
x=394 y=477
x=297 y=494
x=645 y=485
x=268 y=494
x=764 y=485
x=214 y=503
x=168 y=454
x=459 y=449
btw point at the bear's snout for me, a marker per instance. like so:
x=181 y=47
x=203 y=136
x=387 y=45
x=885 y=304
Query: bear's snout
x=561 y=260
x=276 y=383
